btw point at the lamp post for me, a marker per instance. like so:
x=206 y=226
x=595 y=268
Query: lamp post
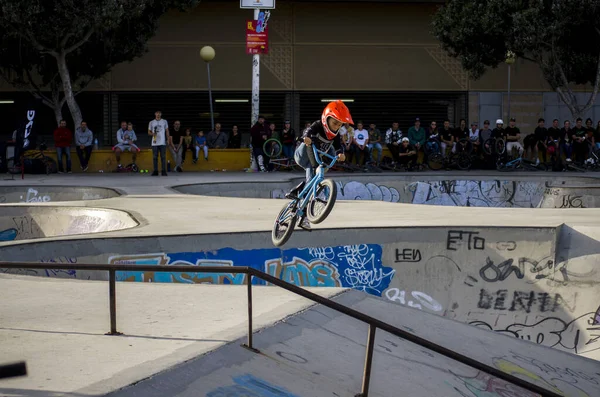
x=510 y=59
x=207 y=54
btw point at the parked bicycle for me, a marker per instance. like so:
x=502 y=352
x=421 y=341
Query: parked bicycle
x=520 y=164
x=273 y=149
x=314 y=201
x=33 y=162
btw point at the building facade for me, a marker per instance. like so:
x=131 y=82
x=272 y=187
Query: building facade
x=380 y=54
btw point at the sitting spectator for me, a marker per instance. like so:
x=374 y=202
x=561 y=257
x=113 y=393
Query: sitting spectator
x=566 y=147
x=393 y=139
x=288 y=140
x=346 y=136
x=63 y=138
x=407 y=154
x=417 y=135
x=201 y=145
x=83 y=145
x=125 y=143
x=432 y=145
x=446 y=138
x=375 y=143
x=461 y=133
x=235 y=139
x=217 y=139
x=188 y=144
x=513 y=134
x=536 y=142
x=580 y=145
x=360 y=142
x=176 y=145
x=474 y=140
x=485 y=133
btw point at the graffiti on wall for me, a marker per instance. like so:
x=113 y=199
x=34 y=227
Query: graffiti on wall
x=352 y=266
x=355 y=190
x=470 y=193
x=8 y=234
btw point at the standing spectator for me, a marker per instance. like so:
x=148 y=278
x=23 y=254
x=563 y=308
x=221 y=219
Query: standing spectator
x=235 y=139
x=125 y=143
x=446 y=137
x=63 y=138
x=176 y=145
x=417 y=135
x=158 y=129
x=536 y=142
x=513 y=134
x=375 y=143
x=201 y=145
x=393 y=139
x=217 y=139
x=288 y=140
x=566 y=147
x=188 y=144
x=259 y=133
x=83 y=145
x=361 y=139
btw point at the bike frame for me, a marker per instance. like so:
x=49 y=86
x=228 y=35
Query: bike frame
x=310 y=190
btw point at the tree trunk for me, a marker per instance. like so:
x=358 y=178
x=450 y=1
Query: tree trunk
x=68 y=89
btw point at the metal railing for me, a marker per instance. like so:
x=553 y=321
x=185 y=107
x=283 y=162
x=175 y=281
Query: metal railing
x=374 y=323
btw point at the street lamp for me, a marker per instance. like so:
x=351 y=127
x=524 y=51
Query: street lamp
x=207 y=54
x=510 y=59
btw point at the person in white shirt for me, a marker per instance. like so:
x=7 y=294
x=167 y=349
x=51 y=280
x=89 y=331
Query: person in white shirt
x=361 y=140
x=158 y=129
x=474 y=136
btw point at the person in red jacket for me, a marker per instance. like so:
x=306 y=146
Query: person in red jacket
x=63 y=138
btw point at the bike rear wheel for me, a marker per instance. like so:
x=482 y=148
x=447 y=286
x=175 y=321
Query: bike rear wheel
x=284 y=225
x=272 y=148
x=463 y=161
x=321 y=205
x=435 y=161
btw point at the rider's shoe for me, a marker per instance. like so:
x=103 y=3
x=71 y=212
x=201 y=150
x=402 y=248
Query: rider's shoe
x=305 y=224
x=293 y=194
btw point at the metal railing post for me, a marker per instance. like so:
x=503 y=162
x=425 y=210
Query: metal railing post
x=368 y=362
x=248 y=345
x=112 y=292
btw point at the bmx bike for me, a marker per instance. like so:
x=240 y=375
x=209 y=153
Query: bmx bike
x=273 y=149
x=33 y=161
x=520 y=164
x=313 y=199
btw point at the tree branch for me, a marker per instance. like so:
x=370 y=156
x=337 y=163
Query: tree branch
x=80 y=42
x=592 y=99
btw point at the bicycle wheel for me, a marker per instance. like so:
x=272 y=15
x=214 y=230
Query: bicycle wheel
x=284 y=225
x=321 y=205
x=463 y=161
x=500 y=146
x=272 y=148
x=435 y=161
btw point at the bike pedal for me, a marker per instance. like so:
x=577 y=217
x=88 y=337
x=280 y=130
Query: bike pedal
x=291 y=196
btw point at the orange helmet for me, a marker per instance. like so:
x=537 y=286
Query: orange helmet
x=339 y=111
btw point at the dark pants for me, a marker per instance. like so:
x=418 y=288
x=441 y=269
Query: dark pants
x=365 y=152
x=582 y=150
x=84 y=155
x=566 y=149
x=163 y=157
x=60 y=151
x=394 y=150
x=189 y=147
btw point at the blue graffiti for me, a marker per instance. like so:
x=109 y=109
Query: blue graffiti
x=352 y=266
x=250 y=386
x=8 y=235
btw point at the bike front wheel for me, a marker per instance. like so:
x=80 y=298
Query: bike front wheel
x=321 y=204
x=284 y=225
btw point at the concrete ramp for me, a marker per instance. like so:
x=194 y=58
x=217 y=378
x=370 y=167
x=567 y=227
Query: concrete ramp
x=46 y=194
x=26 y=223
x=321 y=353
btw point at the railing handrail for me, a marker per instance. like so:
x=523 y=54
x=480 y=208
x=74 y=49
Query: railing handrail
x=251 y=272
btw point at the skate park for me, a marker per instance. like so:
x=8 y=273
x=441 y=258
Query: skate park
x=500 y=268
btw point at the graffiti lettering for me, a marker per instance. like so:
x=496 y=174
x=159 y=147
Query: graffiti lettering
x=325 y=253
x=26 y=226
x=523 y=301
x=578 y=336
x=32 y=197
x=457 y=237
x=8 y=234
x=408 y=255
x=250 y=386
x=506 y=245
x=492 y=273
x=569 y=201
x=299 y=272
x=421 y=299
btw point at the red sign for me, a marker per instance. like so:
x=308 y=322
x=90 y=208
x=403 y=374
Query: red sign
x=257 y=40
